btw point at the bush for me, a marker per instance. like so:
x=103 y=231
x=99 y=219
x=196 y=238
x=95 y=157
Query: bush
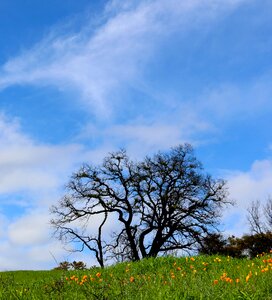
x=75 y=265
x=247 y=245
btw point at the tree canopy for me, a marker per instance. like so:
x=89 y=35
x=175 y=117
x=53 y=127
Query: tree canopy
x=161 y=204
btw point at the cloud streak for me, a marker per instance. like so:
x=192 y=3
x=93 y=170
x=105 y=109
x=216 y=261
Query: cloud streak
x=99 y=64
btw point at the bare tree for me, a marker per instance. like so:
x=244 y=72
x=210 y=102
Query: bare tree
x=162 y=204
x=260 y=217
x=268 y=212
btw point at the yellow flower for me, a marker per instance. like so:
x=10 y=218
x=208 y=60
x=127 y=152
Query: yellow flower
x=98 y=274
x=248 y=276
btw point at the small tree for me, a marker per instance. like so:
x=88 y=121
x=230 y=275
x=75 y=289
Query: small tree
x=213 y=243
x=164 y=203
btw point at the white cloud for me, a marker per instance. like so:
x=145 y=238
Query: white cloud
x=30 y=229
x=252 y=185
x=34 y=257
x=28 y=166
x=245 y=187
x=27 y=243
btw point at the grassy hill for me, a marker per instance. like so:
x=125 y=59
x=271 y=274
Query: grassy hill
x=200 y=277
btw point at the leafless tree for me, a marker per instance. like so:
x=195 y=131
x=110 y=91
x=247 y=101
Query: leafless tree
x=260 y=217
x=162 y=204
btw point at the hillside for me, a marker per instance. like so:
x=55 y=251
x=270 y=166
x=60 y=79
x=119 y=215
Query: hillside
x=200 y=277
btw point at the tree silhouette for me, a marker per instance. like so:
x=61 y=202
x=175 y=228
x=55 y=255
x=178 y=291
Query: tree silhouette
x=164 y=203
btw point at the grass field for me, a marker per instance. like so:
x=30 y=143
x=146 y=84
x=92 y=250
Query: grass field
x=200 y=277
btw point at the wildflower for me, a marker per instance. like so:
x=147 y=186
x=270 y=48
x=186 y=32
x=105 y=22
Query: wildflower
x=192 y=259
x=215 y=281
x=131 y=279
x=178 y=268
x=264 y=270
x=228 y=279
x=98 y=274
x=248 y=276
x=237 y=280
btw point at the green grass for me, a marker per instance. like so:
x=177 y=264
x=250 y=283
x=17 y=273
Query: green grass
x=200 y=277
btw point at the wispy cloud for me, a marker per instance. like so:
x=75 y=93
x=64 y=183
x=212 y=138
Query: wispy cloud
x=98 y=64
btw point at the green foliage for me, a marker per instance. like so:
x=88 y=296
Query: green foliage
x=246 y=246
x=257 y=243
x=200 y=277
x=78 y=265
x=75 y=265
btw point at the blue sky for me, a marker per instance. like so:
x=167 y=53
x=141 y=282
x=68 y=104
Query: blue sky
x=79 y=79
